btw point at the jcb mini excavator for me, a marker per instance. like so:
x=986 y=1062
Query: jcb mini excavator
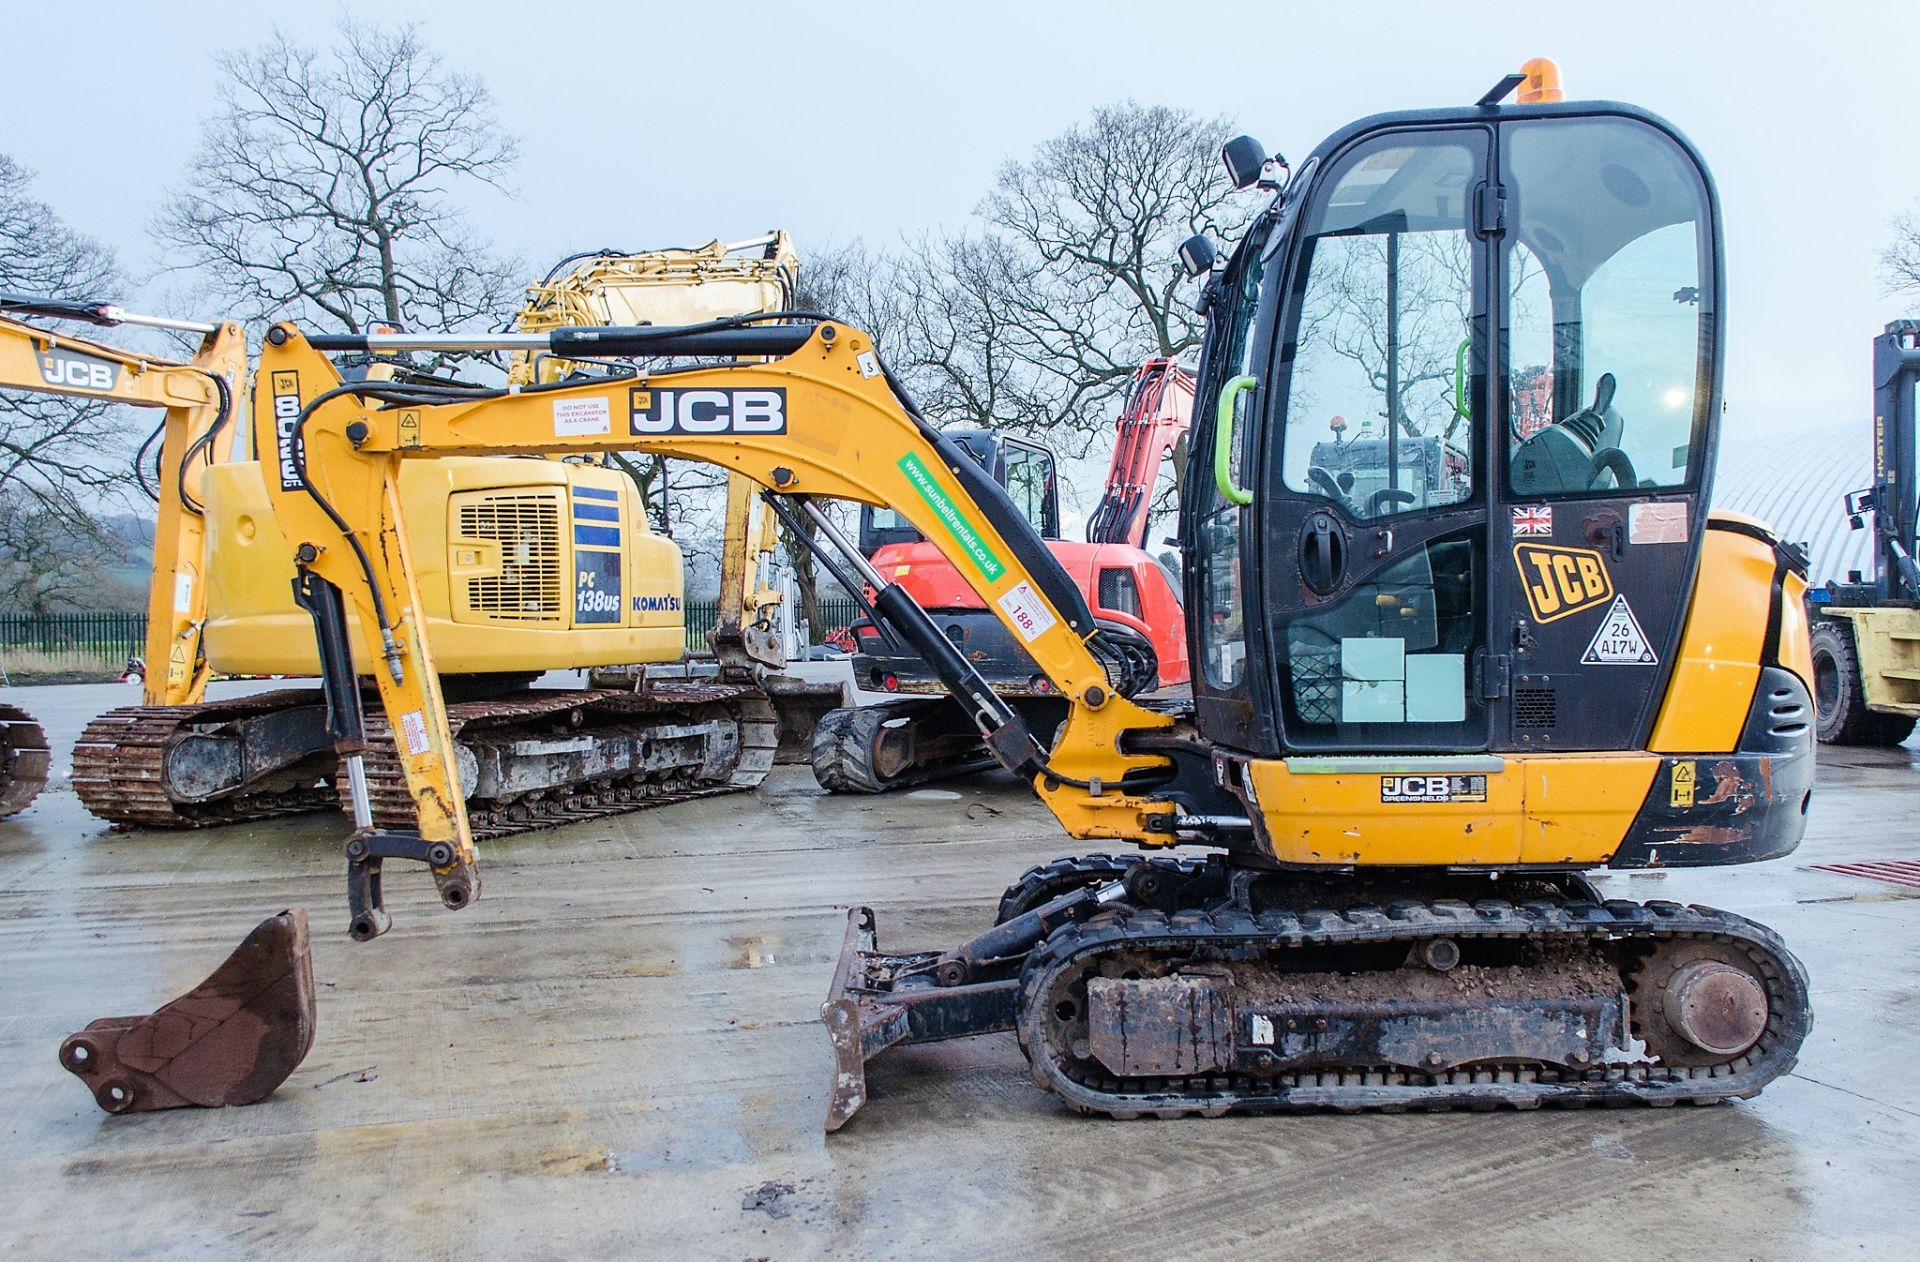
x=1420 y=715
x=199 y=402
x=532 y=566
x=895 y=744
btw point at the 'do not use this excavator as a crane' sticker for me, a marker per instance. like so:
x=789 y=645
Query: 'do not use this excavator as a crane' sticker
x=1445 y=662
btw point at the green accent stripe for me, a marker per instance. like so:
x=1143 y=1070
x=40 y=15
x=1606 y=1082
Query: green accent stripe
x=951 y=517
x=1475 y=763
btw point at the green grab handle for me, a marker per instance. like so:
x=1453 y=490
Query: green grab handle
x=1460 y=381
x=1223 y=441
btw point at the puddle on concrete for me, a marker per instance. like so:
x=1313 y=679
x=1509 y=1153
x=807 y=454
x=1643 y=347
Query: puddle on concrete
x=935 y=795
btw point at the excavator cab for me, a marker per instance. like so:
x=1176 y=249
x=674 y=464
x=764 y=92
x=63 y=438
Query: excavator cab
x=1437 y=570
x=1025 y=470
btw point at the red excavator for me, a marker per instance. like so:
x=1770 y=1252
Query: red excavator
x=1136 y=600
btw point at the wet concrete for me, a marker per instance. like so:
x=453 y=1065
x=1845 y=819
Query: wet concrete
x=614 y=1054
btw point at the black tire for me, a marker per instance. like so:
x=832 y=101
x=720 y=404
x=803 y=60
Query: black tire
x=1839 y=697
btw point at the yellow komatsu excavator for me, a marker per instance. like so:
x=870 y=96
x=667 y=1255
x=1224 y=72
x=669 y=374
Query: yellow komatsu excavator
x=531 y=566
x=1463 y=630
x=201 y=400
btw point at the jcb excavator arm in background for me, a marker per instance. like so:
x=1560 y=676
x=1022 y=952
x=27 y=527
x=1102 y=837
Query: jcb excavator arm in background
x=200 y=399
x=822 y=419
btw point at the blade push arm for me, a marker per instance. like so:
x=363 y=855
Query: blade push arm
x=822 y=420
x=201 y=399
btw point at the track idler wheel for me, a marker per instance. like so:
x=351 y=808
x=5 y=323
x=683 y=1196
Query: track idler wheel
x=1698 y=1003
x=232 y=1039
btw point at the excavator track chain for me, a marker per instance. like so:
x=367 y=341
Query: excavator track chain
x=895 y=744
x=1229 y=1010
x=120 y=765
x=630 y=715
x=24 y=758
x=1044 y=882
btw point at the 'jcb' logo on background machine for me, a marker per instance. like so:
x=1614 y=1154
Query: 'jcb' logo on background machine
x=1561 y=581
x=709 y=411
x=70 y=370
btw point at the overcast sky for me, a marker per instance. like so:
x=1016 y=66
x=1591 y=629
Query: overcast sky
x=649 y=124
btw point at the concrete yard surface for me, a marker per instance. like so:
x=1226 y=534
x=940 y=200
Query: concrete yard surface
x=616 y=1053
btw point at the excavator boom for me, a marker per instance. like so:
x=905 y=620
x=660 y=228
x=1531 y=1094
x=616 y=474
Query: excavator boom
x=200 y=400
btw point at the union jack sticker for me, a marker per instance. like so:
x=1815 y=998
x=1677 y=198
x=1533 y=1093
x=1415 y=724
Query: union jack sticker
x=1533 y=521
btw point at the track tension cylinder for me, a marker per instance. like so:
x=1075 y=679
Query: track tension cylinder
x=367 y=847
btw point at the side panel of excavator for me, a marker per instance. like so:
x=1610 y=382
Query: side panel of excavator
x=525 y=565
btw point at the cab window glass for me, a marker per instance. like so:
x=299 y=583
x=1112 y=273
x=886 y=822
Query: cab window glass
x=1029 y=483
x=1609 y=324
x=1221 y=617
x=1377 y=415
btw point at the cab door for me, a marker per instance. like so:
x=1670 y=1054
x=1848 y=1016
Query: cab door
x=1609 y=282
x=1371 y=486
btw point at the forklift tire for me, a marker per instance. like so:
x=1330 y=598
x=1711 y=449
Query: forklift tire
x=1839 y=696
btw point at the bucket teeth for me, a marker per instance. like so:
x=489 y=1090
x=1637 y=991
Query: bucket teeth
x=232 y=1039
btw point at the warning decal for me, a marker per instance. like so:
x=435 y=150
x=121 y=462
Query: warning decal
x=413 y=726
x=1681 y=783
x=1027 y=612
x=1620 y=641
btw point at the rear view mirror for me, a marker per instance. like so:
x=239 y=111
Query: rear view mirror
x=1197 y=255
x=1243 y=157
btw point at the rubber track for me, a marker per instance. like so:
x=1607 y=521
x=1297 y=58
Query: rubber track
x=843 y=743
x=24 y=759
x=666 y=702
x=119 y=766
x=1373 y=1087
x=1045 y=881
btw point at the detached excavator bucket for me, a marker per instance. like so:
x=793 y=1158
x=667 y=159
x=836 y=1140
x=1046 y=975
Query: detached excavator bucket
x=880 y=1000
x=230 y=1040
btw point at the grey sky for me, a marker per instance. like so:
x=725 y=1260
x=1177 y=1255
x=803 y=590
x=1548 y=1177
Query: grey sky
x=659 y=124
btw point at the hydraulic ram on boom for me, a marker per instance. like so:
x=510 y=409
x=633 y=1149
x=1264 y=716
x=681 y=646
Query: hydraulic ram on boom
x=822 y=419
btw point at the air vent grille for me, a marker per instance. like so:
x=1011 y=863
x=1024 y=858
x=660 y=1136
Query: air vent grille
x=1535 y=708
x=526 y=526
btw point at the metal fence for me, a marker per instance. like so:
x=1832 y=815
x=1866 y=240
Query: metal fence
x=114 y=637
x=111 y=637
x=835 y=611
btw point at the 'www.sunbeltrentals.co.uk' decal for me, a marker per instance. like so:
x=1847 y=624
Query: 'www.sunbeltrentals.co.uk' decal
x=951 y=517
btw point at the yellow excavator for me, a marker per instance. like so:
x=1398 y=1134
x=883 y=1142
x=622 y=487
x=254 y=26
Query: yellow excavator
x=534 y=566
x=201 y=399
x=1445 y=663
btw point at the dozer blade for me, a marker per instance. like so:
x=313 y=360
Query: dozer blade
x=230 y=1040
x=881 y=1000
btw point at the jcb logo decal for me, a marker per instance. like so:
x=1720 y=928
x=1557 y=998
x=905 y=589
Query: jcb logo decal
x=70 y=370
x=286 y=413
x=709 y=411
x=1561 y=581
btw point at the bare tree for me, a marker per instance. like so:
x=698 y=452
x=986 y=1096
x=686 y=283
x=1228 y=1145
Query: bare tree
x=60 y=458
x=324 y=189
x=1900 y=261
x=1076 y=273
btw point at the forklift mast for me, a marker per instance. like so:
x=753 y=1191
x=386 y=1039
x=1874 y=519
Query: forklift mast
x=1893 y=498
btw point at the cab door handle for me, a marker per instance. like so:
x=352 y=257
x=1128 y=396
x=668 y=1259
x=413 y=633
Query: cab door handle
x=1223 y=441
